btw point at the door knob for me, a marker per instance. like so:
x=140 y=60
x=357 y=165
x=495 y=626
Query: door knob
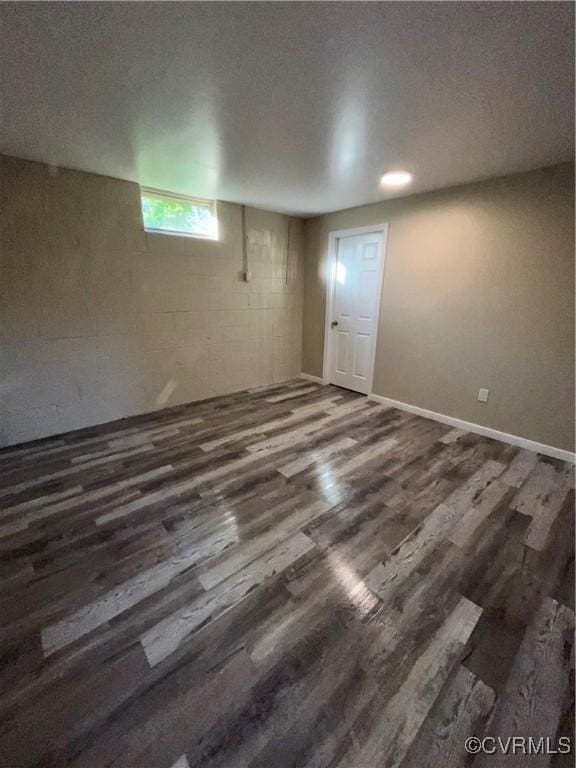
x=334 y=323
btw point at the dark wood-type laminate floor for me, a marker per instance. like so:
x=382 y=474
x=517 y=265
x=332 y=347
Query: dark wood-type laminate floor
x=292 y=576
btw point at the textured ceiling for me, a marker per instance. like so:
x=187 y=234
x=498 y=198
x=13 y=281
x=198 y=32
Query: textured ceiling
x=297 y=107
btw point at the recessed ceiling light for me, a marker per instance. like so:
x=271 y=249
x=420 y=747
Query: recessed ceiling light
x=396 y=179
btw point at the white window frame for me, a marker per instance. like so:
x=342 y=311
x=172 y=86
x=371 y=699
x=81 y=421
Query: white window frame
x=180 y=198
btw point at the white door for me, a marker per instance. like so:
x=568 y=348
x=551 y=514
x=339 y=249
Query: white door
x=356 y=300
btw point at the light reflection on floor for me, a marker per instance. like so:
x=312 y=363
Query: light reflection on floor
x=354 y=587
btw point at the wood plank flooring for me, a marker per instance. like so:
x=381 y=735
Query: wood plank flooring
x=286 y=577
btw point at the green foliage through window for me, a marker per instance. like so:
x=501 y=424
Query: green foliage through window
x=163 y=212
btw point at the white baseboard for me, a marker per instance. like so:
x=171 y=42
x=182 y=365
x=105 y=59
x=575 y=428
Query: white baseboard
x=308 y=377
x=468 y=426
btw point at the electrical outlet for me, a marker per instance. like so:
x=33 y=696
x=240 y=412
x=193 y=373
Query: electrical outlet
x=483 y=395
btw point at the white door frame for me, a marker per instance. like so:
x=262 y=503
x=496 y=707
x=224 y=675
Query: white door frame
x=333 y=238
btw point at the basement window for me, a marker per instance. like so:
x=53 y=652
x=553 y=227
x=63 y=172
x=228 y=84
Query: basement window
x=171 y=214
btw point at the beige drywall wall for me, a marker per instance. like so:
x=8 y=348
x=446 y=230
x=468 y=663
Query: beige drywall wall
x=478 y=292
x=99 y=320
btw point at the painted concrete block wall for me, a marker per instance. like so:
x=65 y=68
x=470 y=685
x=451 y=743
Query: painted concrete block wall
x=100 y=320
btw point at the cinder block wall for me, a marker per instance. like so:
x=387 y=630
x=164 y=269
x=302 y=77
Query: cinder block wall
x=100 y=320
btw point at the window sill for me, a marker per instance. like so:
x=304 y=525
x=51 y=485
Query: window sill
x=187 y=235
